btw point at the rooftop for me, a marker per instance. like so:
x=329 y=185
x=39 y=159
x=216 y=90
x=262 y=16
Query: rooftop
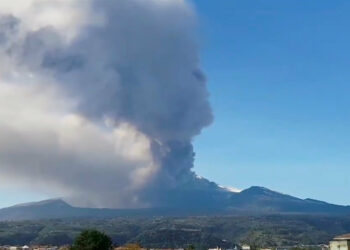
x=343 y=237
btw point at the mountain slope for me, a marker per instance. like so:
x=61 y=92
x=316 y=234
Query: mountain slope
x=263 y=200
x=38 y=210
x=254 y=200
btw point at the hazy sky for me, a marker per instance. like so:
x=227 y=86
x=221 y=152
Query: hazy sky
x=279 y=80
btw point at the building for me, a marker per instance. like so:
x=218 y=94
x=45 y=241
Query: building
x=245 y=247
x=341 y=242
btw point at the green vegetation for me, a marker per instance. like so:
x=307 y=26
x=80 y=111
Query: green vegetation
x=165 y=232
x=92 y=240
x=190 y=247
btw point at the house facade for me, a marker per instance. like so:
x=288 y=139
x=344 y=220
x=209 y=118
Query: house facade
x=341 y=242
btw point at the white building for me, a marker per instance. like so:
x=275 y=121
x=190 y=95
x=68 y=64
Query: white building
x=341 y=242
x=245 y=247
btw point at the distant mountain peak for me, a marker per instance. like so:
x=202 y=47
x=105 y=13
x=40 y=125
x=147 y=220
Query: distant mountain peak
x=259 y=190
x=57 y=202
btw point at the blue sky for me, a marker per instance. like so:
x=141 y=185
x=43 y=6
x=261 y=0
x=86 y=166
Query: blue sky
x=278 y=74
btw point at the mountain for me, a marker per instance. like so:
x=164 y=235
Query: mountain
x=254 y=200
x=38 y=210
x=263 y=200
x=57 y=208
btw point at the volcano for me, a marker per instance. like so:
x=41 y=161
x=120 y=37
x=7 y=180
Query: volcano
x=215 y=200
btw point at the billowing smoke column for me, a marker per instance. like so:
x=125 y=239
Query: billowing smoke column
x=100 y=99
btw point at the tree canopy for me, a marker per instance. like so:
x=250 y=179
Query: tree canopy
x=92 y=240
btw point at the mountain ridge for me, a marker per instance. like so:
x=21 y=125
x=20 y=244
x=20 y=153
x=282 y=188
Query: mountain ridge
x=254 y=200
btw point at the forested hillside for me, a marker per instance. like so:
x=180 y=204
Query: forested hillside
x=203 y=232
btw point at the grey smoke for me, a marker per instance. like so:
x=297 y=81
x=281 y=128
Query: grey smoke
x=134 y=66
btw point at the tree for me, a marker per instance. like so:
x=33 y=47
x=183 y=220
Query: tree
x=190 y=247
x=92 y=240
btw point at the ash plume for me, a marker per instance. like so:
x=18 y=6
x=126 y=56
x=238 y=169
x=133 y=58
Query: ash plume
x=100 y=100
